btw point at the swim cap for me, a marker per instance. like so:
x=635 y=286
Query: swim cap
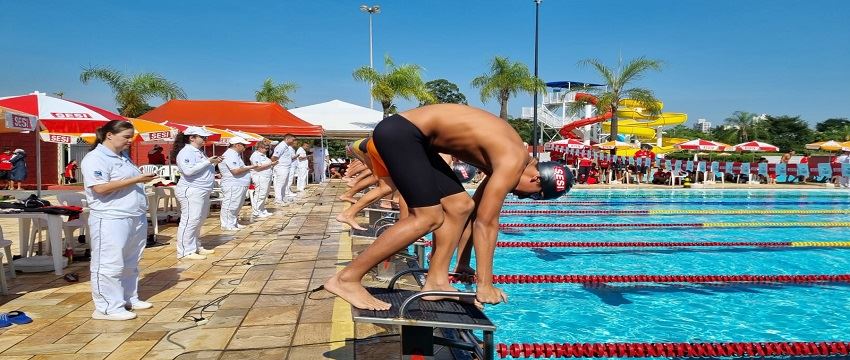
x=555 y=180
x=464 y=171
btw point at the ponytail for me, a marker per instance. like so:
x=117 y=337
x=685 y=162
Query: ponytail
x=111 y=127
x=179 y=142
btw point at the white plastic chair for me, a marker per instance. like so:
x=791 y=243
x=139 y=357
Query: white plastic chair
x=72 y=199
x=168 y=171
x=7 y=249
x=4 y=290
x=149 y=169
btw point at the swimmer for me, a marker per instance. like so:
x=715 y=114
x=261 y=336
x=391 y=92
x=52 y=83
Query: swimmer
x=404 y=151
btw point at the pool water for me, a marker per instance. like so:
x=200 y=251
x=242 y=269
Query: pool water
x=677 y=312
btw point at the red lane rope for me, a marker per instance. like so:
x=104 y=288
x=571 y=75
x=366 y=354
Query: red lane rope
x=580 y=244
x=673 y=350
x=598 y=225
x=591 y=279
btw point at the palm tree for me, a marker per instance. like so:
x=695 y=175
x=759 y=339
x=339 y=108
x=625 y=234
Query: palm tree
x=276 y=93
x=744 y=123
x=133 y=92
x=505 y=80
x=617 y=83
x=404 y=81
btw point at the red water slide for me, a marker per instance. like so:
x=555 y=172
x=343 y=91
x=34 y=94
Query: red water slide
x=567 y=130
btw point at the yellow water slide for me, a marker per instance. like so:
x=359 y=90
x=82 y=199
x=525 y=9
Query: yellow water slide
x=633 y=119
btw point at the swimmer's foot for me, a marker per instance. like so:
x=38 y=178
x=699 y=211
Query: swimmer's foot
x=345 y=219
x=386 y=204
x=438 y=287
x=355 y=294
x=348 y=198
x=467 y=274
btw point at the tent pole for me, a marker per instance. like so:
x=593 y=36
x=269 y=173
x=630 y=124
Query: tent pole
x=38 y=162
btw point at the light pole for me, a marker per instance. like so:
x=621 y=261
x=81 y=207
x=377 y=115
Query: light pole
x=374 y=9
x=534 y=127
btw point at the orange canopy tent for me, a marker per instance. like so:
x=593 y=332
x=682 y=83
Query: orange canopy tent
x=256 y=117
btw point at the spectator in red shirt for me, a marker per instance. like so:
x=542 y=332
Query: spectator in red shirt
x=5 y=166
x=155 y=156
x=70 y=173
x=584 y=165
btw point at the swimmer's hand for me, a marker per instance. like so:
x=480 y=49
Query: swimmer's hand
x=145 y=178
x=489 y=294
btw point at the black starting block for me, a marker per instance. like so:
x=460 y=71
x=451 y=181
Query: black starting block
x=418 y=320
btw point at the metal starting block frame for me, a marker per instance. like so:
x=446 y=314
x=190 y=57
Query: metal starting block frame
x=419 y=318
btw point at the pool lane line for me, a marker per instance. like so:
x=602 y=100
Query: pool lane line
x=678 y=212
x=642 y=244
x=713 y=196
x=761 y=349
x=612 y=226
x=668 y=202
x=643 y=278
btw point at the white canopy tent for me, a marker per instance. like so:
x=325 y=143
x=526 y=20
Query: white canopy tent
x=341 y=120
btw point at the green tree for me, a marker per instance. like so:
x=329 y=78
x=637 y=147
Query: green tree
x=404 y=81
x=682 y=131
x=788 y=132
x=505 y=80
x=522 y=127
x=833 y=129
x=276 y=93
x=444 y=92
x=744 y=124
x=132 y=93
x=725 y=134
x=618 y=82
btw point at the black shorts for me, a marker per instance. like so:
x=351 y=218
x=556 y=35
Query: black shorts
x=422 y=177
x=4 y=174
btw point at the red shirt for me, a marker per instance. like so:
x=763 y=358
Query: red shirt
x=5 y=163
x=584 y=161
x=69 y=170
x=804 y=160
x=641 y=154
x=604 y=164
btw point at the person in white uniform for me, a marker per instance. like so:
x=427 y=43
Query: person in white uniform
x=320 y=162
x=293 y=172
x=193 y=190
x=283 y=154
x=302 y=169
x=261 y=176
x=844 y=158
x=235 y=180
x=115 y=192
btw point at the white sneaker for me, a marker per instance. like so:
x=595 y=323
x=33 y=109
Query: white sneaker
x=267 y=214
x=203 y=251
x=138 y=305
x=264 y=215
x=240 y=226
x=118 y=316
x=224 y=228
x=194 y=257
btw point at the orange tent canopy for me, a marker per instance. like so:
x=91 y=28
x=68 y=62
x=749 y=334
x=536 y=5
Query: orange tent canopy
x=257 y=117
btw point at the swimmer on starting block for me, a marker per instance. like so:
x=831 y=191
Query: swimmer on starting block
x=404 y=153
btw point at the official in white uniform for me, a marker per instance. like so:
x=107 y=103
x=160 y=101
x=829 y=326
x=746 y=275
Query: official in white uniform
x=193 y=190
x=302 y=168
x=293 y=172
x=261 y=176
x=283 y=154
x=844 y=158
x=115 y=192
x=320 y=162
x=235 y=180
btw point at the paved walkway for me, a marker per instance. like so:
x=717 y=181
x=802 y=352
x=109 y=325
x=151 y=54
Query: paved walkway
x=250 y=293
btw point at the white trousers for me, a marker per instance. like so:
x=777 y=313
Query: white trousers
x=281 y=174
x=261 y=193
x=116 y=248
x=302 y=178
x=844 y=181
x=232 y=199
x=293 y=170
x=194 y=208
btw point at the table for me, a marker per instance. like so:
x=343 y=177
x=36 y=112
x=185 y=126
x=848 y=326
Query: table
x=54 y=234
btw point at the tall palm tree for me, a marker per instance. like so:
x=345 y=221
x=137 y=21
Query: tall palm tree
x=617 y=82
x=133 y=92
x=276 y=93
x=404 y=81
x=505 y=80
x=744 y=123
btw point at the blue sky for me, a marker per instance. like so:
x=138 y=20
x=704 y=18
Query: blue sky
x=776 y=57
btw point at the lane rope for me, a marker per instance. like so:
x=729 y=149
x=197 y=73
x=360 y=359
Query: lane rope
x=672 y=350
x=599 y=279
x=753 y=224
x=668 y=202
x=678 y=212
x=619 y=244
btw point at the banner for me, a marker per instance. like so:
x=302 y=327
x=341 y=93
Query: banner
x=20 y=122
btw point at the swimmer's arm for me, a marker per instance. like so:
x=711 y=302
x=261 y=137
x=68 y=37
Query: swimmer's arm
x=485 y=227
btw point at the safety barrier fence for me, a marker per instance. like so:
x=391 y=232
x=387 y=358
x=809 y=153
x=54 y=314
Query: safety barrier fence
x=672 y=350
x=627 y=244
x=610 y=226
x=679 y=212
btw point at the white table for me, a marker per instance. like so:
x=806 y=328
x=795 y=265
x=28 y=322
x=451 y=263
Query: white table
x=54 y=234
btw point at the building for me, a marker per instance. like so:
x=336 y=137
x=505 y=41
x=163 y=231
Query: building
x=703 y=125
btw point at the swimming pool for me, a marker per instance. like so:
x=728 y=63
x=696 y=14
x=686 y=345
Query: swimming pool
x=649 y=312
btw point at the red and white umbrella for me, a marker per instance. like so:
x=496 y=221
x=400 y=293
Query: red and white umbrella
x=701 y=145
x=563 y=145
x=756 y=146
x=60 y=115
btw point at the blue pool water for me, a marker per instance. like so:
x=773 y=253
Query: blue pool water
x=652 y=312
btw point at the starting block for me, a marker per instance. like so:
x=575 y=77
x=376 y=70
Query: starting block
x=419 y=318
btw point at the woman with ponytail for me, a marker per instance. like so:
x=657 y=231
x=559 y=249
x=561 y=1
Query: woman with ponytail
x=114 y=188
x=193 y=190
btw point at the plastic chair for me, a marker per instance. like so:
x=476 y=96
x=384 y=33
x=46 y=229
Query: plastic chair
x=149 y=169
x=168 y=171
x=4 y=290
x=7 y=249
x=72 y=199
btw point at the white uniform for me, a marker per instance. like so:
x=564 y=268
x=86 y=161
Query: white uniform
x=319 y=158
x=118 y=228
x=261 y=179
x=843 y=181
x=281 y=171
x=293 y=173
x=233 y=188
x=193 y=193
x=301 y=160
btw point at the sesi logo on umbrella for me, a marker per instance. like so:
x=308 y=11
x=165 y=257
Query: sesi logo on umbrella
x=63 y=115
